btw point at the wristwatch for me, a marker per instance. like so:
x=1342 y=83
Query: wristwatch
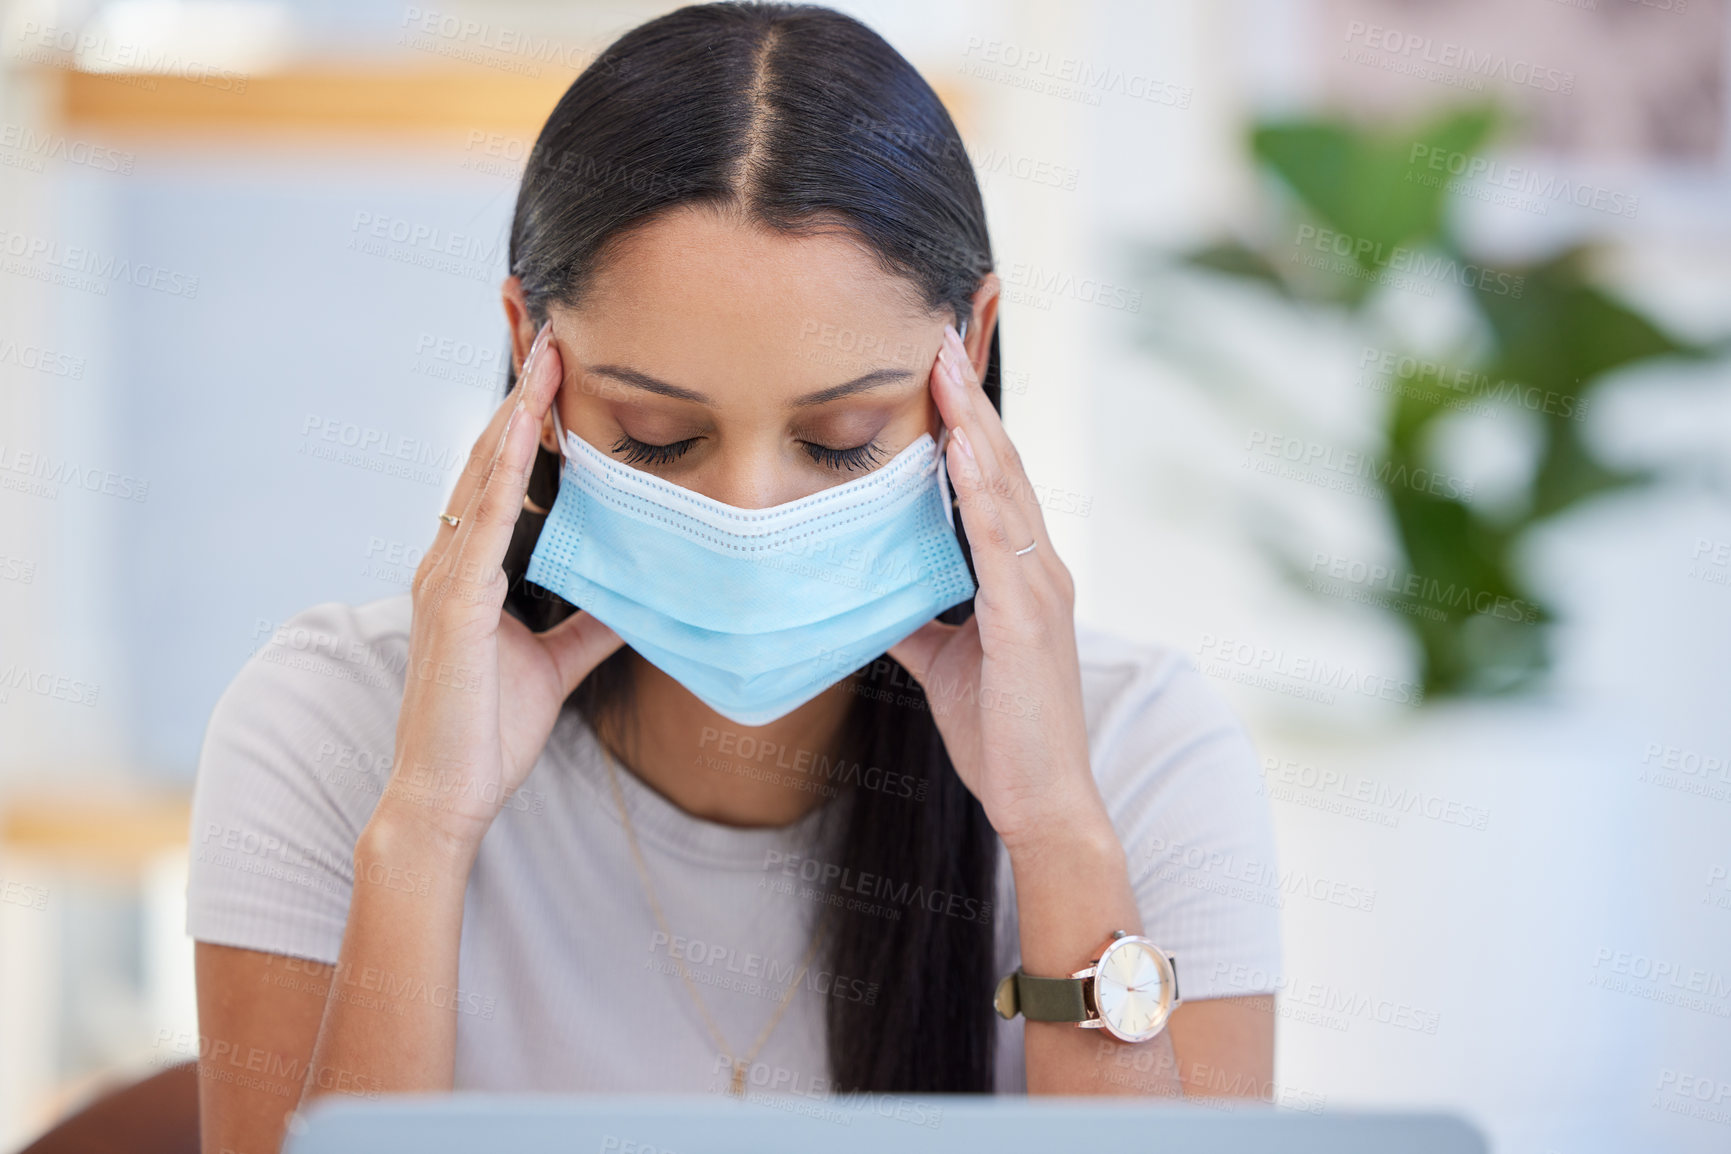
x=1129 y=991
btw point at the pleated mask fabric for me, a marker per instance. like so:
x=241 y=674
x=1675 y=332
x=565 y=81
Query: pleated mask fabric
x=755 y=611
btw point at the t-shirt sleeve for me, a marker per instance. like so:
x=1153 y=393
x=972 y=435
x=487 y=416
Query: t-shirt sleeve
x=296 y=754
x=1182 y=782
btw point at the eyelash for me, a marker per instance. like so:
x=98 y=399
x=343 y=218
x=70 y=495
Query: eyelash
x=859 y=457
x=635 y=452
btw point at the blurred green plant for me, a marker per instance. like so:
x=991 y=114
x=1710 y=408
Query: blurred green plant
x=1368 y=209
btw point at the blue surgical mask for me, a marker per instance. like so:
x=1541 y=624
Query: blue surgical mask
x=756 y=611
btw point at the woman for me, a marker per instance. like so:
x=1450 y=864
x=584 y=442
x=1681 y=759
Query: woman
x=794 y=833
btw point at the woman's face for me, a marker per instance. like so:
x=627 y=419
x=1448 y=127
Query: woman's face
x=746 y=365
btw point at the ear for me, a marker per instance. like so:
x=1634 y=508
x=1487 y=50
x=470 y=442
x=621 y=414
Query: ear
x=978 y=342
x=522 y=339
x=517 y=318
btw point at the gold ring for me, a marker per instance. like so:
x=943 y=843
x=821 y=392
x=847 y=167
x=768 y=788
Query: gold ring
x=532 y=507
x=453 y=522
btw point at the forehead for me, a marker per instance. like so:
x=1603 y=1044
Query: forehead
x=703 y=280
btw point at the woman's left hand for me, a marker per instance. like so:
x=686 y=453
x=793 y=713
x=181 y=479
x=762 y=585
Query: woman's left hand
x=1005 y=688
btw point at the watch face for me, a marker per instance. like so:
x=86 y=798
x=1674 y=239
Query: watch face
x=1133 y=989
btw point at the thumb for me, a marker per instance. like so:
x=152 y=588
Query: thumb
x=577 y=645
x=920 y=648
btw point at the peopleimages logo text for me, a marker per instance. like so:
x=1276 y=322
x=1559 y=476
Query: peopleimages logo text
x=1447 y=54
x=1400 y=258
x=83 y=261
x=1522 y=179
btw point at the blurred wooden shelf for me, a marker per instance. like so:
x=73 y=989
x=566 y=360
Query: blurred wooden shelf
x=106 y=829
x=370 y=102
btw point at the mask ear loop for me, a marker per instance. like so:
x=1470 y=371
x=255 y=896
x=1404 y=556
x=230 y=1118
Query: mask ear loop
x=558 y=429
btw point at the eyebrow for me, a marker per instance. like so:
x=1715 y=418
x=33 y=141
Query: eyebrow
x=650 y=384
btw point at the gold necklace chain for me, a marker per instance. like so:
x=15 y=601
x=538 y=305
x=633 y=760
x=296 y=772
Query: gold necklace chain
x=740 y=1065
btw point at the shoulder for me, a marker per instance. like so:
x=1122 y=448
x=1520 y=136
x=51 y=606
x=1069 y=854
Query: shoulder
x=1146 y=703
x=364 y=644
x=324 y=686
x=295 y=757
x=333 y=659
x=1166 y=748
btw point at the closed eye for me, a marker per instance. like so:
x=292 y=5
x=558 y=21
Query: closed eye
x=859 y=457
x=635 y=452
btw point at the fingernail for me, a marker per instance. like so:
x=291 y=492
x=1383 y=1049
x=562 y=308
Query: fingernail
x=512 y=419
x=961 y=438
x=947 y=364
x=536 y=346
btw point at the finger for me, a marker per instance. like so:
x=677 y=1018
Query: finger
x=480 y=459
x=999 y=459
x=919 y=649
x=577 y=645
x=958 y=403
x=973 y=393
x=487 y=444
x=995 y=521
x=975 y=414
x=1043 y=574
x=485 y=533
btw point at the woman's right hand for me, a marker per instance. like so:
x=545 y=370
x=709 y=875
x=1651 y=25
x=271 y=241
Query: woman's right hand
x=481 y=690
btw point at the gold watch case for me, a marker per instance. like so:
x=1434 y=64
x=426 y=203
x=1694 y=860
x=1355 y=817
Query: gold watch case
x=1131 y=989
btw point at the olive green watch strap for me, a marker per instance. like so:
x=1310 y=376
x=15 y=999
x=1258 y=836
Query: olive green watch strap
x=1042 y=999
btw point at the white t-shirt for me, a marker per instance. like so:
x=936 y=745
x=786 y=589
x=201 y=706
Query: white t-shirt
x=565 y=982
